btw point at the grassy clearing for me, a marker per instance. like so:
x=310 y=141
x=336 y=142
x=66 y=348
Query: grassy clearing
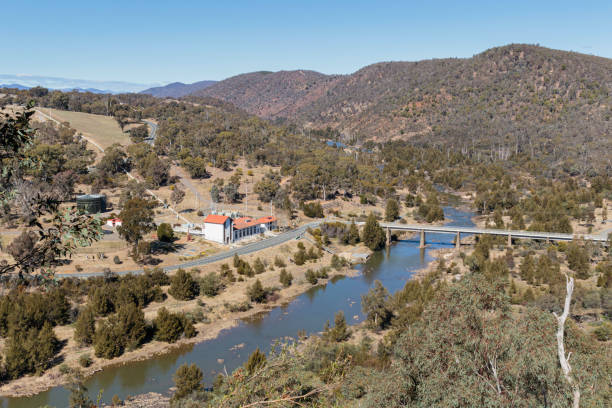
x=104 y=130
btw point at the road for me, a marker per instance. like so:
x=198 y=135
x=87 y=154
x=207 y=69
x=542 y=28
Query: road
x=151 y=139
x=293 y=234
x=243 y=250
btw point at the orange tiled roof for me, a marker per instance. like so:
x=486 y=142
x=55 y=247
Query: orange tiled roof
x=265 y=220
x=215 y=219
x=244 y=222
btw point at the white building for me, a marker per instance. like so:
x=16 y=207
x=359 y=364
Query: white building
x=247 y=227
x=218 y=228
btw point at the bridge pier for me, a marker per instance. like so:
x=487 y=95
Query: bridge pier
x=458 y=240
x=422 y=244
x=388 y=236
x=509 y=240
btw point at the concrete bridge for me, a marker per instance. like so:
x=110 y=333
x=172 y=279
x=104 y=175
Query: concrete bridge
x=457 y=231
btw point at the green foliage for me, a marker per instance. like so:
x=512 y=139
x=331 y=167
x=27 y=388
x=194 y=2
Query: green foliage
x=196 y=166
x=108 y=340
x=285 y=278
x=85 y=360
x=139 y=133
x=392 y=210
x=603 y=332
x=85 y=327
x=210 y=284
x=373 y=236
x=578 y=260
x=258 y=266
x=353 y=235
x=340 y=331
x=256 y=292
x=169 y=327
x=30 y=351
x=131 y=325
x=137 y=220
x=256 y=361
x=165 y=232
x=183 y=286
x=375 y=305
x=313 y=210
x=338 y=262
x=187 y=379
x=311 y=277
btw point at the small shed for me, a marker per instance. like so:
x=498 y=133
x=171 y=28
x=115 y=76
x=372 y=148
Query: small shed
x=114 y=222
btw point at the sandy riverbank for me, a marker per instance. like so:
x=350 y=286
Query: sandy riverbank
x=219 y=318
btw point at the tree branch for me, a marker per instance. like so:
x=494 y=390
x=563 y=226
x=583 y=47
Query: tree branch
x=563 y=360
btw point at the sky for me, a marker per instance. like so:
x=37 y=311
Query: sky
x=165 y=41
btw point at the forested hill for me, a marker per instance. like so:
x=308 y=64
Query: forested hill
x=177 y=89
x=272 y=94
x=516 y=98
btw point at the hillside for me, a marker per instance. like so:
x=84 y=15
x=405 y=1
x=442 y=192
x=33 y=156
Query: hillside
x=513 y=97
x=272 y=94
x=177 y=89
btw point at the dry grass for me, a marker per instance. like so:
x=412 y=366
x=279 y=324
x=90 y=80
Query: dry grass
x=104 y=130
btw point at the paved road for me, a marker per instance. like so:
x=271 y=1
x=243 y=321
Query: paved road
x=293 y=234
x=151 y=139
x=243 y=250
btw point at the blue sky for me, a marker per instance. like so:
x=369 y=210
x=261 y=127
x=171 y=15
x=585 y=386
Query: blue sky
x=164 y=41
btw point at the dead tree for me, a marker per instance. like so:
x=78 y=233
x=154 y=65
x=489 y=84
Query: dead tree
x=563 y=359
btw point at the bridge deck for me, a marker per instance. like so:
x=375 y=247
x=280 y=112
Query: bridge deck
x=553 y=236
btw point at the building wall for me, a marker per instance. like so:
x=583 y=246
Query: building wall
x=215 y=232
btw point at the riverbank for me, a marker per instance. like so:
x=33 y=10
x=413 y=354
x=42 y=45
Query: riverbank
x=219 y=317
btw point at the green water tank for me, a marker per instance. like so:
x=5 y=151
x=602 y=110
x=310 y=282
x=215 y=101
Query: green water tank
x=91 y=203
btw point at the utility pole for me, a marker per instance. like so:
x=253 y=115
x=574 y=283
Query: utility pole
x=246 y=198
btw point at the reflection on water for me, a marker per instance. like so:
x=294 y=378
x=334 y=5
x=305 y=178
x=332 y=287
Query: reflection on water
x=232 y=347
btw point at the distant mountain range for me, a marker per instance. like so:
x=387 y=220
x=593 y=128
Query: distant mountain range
x=68 y=84
x=177 y=89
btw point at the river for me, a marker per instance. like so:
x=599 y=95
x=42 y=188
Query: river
x=308 y=312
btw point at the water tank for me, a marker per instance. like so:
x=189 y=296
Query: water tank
x=91 y=203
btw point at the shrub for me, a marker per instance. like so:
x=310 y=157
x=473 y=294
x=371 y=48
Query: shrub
x=188 y=379
x=116 y=260
x=285 y=278
x=279 y=262
x=85 y=327
x=237 y=307
x=300 y=257
x=210 y=284
x=168 y=326
x=165 y=232
x=259 y=266
x=311 y=277
x=604 y=331
x=85 y=360
x=131 y=325
x=108 y=342
x=183 y=286
x=190 y=330
x=313 y=210
x=157 y=276
x=340 y=331
x=256 y=292
x=338 y=262
x=256 y=360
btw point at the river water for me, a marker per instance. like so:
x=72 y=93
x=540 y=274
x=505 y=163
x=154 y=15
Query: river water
x=309 y=312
